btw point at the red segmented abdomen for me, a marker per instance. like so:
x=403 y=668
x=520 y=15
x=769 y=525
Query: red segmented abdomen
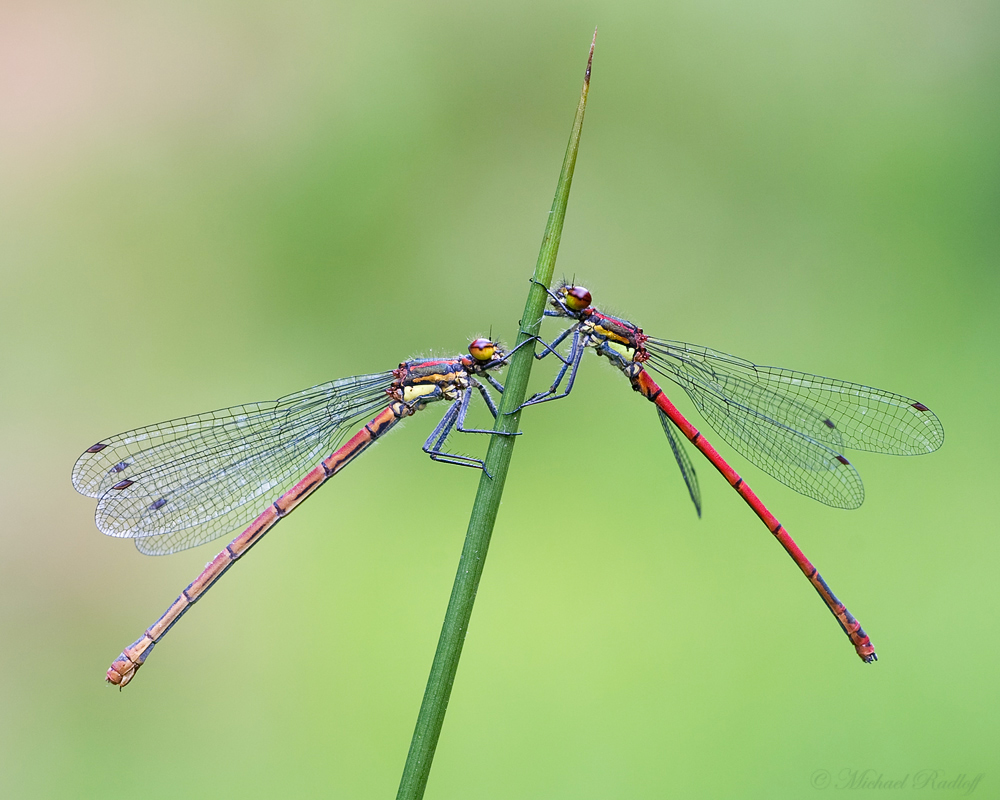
x=643 y=383
x=124 y=667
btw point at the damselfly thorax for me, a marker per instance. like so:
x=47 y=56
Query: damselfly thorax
x=617 y=339
x=425 y=380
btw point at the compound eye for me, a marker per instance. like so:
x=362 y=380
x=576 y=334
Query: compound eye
x=482 y=349
x=577 y=298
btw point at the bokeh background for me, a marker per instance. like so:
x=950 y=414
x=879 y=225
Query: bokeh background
x=205 y=204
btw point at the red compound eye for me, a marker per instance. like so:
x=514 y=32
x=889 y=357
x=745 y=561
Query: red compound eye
x=482 y=349
x=577 y=298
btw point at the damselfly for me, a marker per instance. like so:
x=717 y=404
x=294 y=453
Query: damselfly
x=790 y=424
x=182 y=483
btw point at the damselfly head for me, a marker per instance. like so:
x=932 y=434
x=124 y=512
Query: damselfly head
x=575 y=298
x=484 y=350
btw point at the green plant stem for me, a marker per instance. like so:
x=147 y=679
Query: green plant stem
x=487 y=503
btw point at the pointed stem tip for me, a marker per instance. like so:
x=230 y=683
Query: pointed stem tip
x=590 y=60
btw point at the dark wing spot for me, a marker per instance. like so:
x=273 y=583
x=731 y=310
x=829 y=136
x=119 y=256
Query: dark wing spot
x=829 y=423
x=97 y=448
x=920 y=407
x=843 y=460
x=123 y=484
x=157 y=505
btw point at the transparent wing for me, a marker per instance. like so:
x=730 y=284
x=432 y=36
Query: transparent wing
x=187 y=481
x=676 y=439
x=792 y=424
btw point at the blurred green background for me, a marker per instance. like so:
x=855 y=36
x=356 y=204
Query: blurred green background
x=206 y=204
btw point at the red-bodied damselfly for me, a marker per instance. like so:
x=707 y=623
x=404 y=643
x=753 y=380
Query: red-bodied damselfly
x=793 y=425
x=182 y=483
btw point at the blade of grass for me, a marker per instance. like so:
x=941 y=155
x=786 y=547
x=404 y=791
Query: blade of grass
x=484 y=510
